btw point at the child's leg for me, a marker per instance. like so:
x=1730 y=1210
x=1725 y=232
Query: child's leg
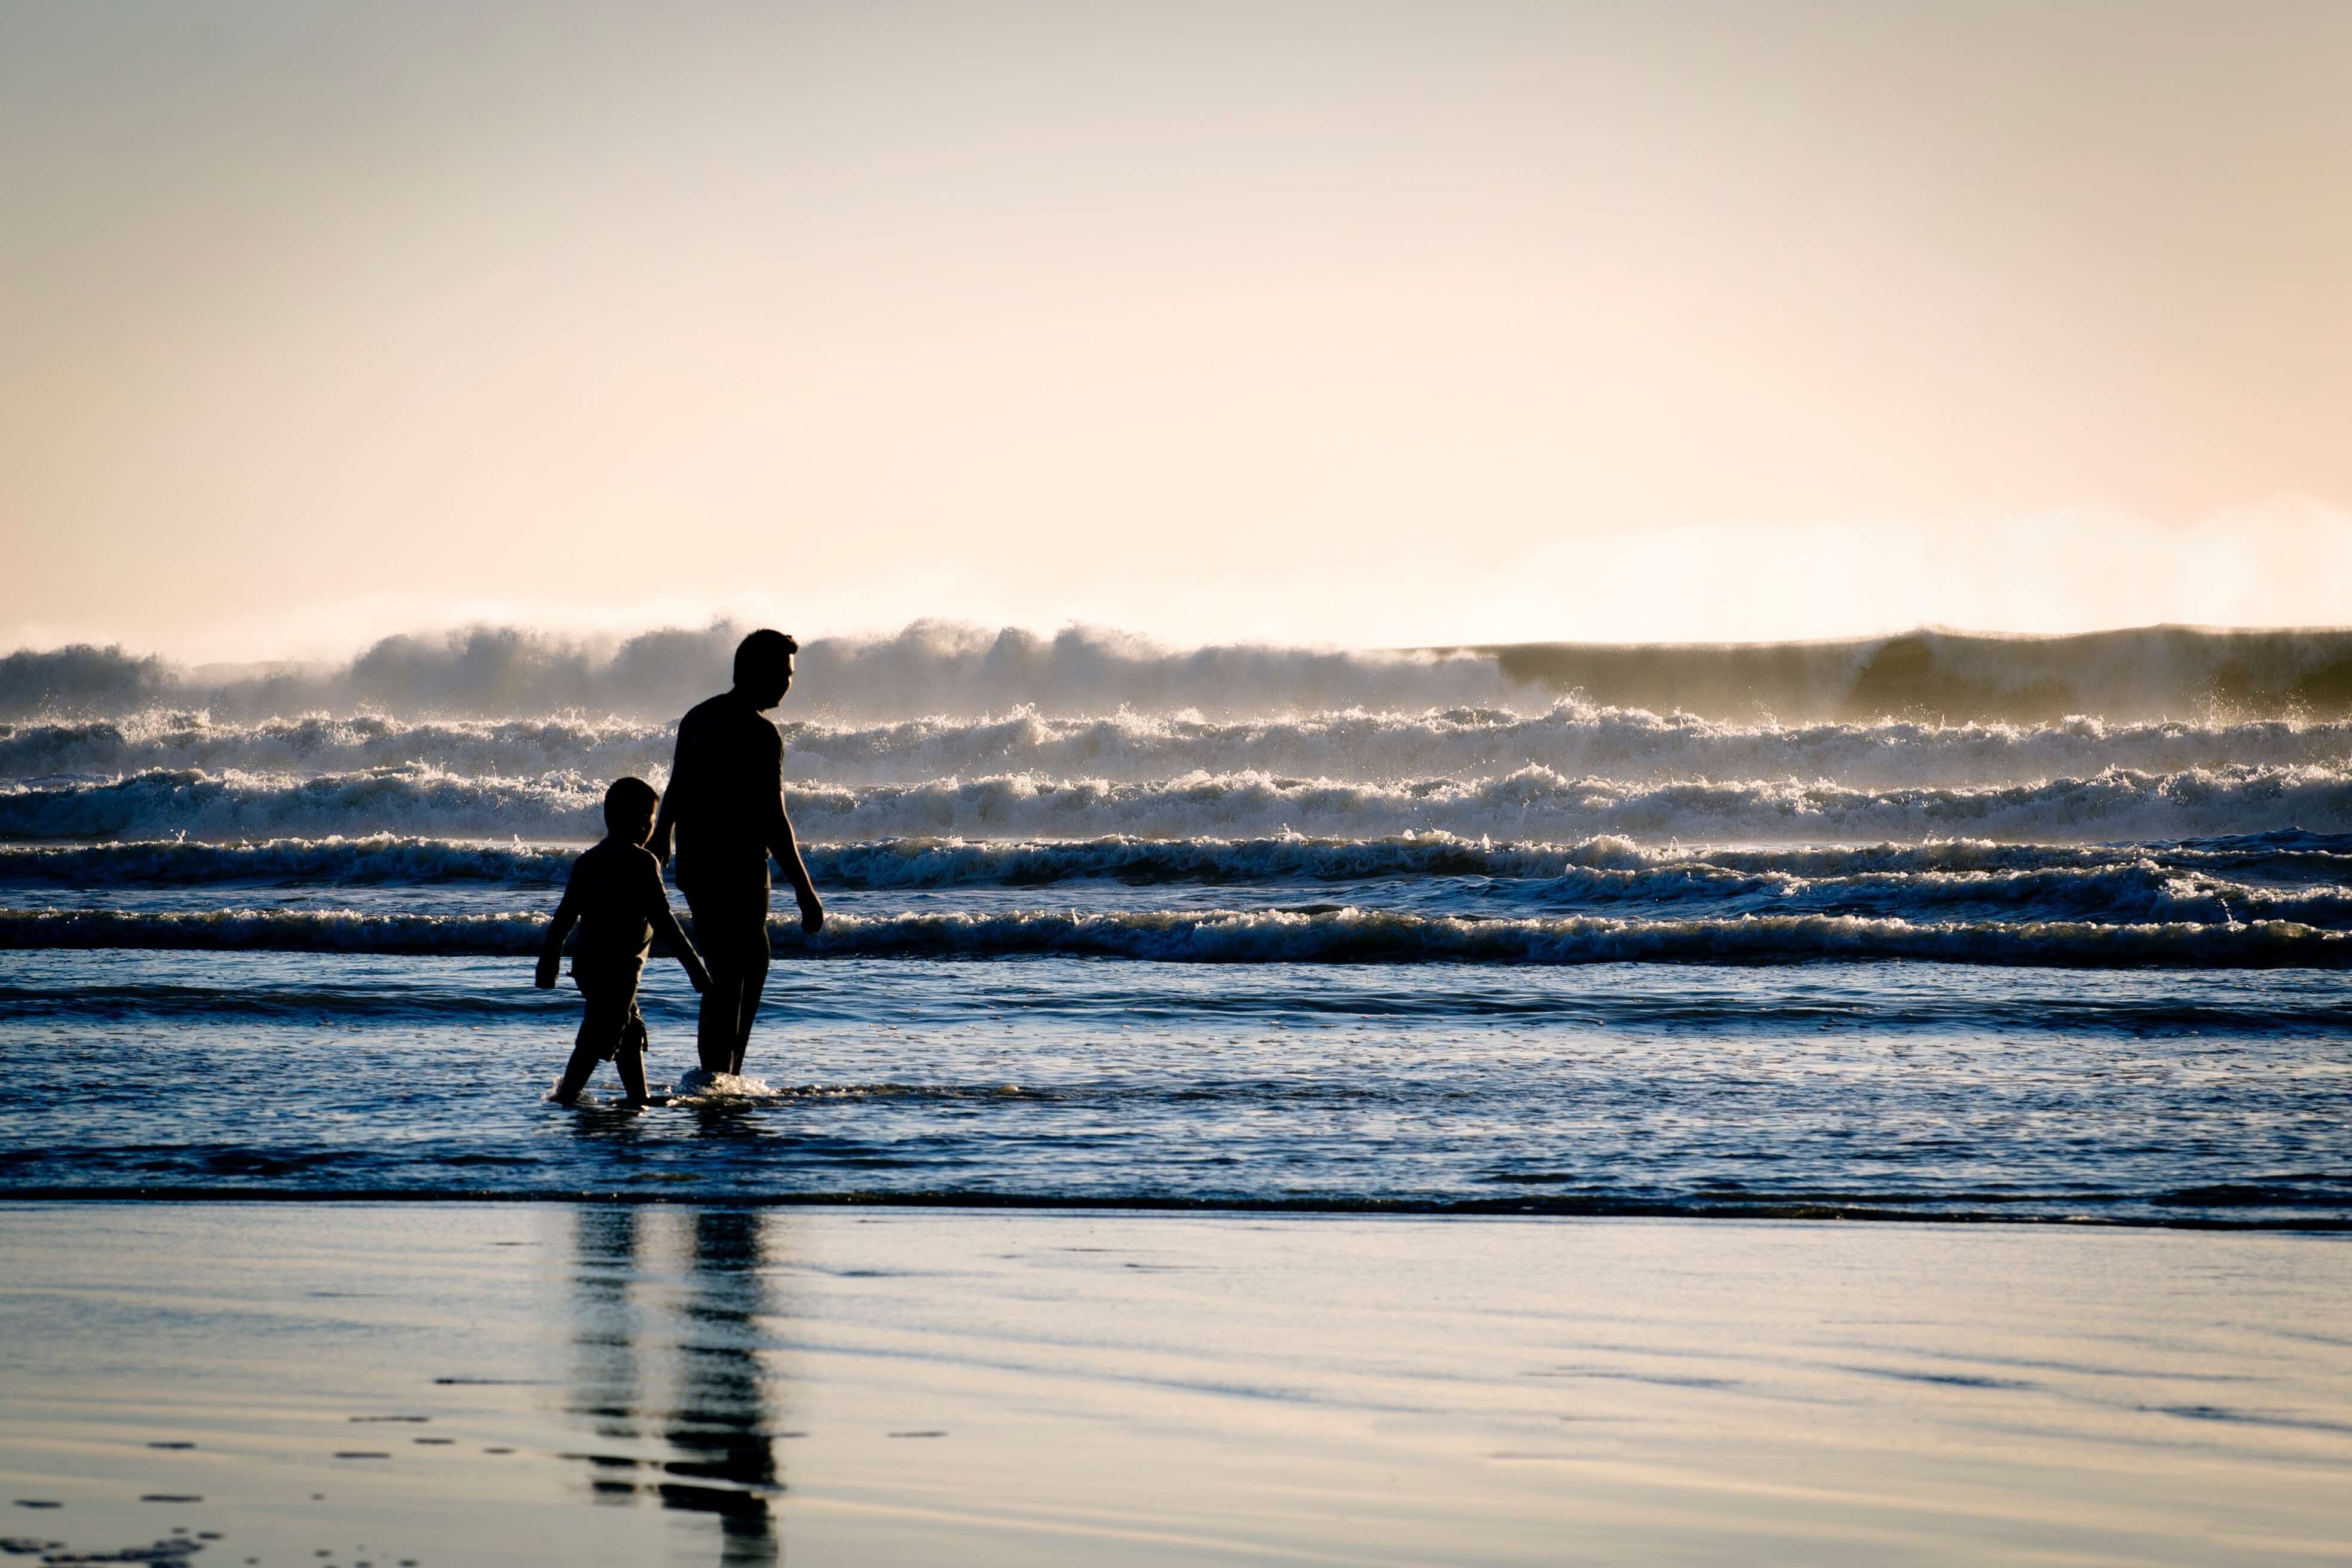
x=602 y=1020
x=630 y=1059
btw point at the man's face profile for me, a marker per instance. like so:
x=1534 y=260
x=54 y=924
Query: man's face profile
x=773 y=682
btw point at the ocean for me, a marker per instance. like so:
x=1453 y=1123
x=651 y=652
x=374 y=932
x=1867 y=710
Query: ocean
x=1923 y=928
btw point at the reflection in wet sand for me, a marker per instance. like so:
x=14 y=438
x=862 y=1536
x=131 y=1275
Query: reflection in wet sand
x=708 y=1403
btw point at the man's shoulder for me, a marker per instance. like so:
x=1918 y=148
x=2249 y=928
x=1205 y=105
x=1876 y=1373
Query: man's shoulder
x=709 y=712
x=730 y=720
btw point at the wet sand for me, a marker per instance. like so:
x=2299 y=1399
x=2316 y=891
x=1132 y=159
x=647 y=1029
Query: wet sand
x=443 y=1384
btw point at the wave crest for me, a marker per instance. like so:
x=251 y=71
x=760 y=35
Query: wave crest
x=1572 y=738
x=1533 y=803
x=1339 y=936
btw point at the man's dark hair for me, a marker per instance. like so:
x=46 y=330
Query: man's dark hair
x=760 y=653
x=629 y=794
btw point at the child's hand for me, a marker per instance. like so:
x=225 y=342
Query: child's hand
x=812 y=915
x=697 y=976
x=545 y=978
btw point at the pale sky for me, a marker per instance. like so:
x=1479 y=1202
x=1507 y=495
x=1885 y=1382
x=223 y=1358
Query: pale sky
x=1358 y=323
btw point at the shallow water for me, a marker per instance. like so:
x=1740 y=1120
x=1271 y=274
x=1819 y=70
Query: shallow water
x=1574 y=956
x=2219 y=1096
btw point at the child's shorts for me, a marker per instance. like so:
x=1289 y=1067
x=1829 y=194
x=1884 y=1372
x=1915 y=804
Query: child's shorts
x=610 y=1022
x=633 y=1036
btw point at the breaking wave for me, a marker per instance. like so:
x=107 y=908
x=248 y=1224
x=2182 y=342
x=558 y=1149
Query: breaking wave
x=2281 y=876
x=1572 y=738
x=936 y=667
x=1531 y=803
x=1336 y=936
x=930 y=666
x=385 y=858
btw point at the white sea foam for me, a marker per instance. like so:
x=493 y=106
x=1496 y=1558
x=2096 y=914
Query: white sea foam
x=696 y=1086
x=1291 y=858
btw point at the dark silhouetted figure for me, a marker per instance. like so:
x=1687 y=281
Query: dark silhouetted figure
x=726 y=808
x=615 y=895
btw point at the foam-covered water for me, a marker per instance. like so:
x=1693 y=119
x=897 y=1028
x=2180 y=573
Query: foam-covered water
x=1133 y=747
x=1115 y=921
x=1532 y=803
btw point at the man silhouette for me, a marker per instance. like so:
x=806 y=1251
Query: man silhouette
x=725 y=804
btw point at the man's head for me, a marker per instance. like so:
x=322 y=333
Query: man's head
x=629 y=810
x=763 y=667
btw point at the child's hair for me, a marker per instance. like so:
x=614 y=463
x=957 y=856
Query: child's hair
x=626 y=798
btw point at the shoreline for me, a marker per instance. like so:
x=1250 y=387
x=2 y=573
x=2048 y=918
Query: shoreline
x=510 y=1383
x=1367 y=1208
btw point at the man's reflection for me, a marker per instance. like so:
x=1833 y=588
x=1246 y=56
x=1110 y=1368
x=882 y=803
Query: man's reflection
x=717 y=1454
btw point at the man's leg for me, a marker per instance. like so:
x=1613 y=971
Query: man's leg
x=731 y=928
x=732 y=1001
x=714 y=1029
x=751 y=986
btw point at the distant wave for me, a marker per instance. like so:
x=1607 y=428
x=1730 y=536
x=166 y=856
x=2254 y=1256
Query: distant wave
x=1129 y=747
x=948 y=862
x=1532 y=803
x=236 y=805
x=931 y=862
x=930 y=666
x=935 y=668
x=1337 y=936
x=382 y=858
x=167 y=740
x=2297 y=875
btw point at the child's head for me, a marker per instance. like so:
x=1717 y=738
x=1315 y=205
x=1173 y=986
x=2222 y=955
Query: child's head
x=629 y=810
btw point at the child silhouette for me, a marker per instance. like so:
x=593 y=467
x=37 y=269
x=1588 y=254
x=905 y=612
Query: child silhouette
x=615 y=896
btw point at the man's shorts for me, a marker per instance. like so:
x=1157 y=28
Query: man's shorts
x=730 y=926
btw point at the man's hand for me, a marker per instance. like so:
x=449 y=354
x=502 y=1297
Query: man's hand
x=697 y=975
x=545 y=978
x=812 y=914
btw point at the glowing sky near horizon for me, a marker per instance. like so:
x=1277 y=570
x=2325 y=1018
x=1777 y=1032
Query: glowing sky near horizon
x=1360 y=323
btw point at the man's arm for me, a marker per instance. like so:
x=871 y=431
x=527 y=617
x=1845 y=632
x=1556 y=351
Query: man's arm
x=550 y=952
x=665 y=819
x=787 y=851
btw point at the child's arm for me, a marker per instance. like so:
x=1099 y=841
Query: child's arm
x=666 y=926
x=550 y=952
